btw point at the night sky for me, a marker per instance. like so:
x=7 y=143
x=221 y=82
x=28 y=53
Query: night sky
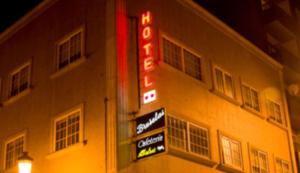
x=11 y=10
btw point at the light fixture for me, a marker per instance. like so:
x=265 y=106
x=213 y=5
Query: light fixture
x=25 y=163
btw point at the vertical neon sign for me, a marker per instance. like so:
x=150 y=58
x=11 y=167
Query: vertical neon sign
x=147 y=57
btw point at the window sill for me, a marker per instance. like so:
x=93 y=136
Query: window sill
x=17 y=97
x=191 y=156
x=258 y=114
x=202 y=82
x=229 y=99
x=68 y=68
x=68 y=150
x=277 y=124
x=228 y=168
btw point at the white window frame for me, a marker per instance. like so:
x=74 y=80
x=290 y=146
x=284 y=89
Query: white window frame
x=187 y=141
x=16 y=71
x=208 y=156
x=224 y=74
x=223 y=160
x=244 y=99
x=65 y=39
x=184 y=134
x=65 y=115
x=183 y=48
x=13 y=139
x=259 y=152
x=271 y=117
x=281 y=163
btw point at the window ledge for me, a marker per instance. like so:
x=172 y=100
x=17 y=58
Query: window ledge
x=229 y=168
x=69 y=67
x=191 y=156
x=17 y=97
x=231 y=100
x=203 y=83
x=277 y=124
x=253 y=112
x=67 y=150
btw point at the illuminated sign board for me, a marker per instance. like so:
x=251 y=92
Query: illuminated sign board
x=150 y=121
x=150 y=145
x=146 y=54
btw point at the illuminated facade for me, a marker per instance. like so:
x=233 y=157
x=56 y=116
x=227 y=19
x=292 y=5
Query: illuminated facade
x=139 y=86
x=273 y=26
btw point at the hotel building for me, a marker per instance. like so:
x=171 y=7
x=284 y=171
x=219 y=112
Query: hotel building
x=139 y=87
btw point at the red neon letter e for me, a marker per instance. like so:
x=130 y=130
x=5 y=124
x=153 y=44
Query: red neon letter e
x=148 y=63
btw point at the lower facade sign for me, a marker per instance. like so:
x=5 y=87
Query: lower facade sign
x=150 y=145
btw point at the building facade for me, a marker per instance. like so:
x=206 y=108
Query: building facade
x=139 y=86
x=273 y=26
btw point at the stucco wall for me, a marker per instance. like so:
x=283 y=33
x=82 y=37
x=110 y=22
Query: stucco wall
x=187 y=98
x=52 y=94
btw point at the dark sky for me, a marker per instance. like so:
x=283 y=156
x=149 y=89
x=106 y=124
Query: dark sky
x=11 y=10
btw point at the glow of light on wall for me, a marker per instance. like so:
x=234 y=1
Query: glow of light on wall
x=146 y=57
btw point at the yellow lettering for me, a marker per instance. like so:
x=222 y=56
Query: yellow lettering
x=145 y=152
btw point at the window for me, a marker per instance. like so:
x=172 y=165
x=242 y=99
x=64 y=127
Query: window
x=224 y=83
x=274 y=111
x=68 y=129
x=13 y=150
x=172 y=54
x=250 y=98
x=182 y=59
x=20 y=80
x=188 y=137
x=259 y=161
x=282 y=166
x=231 y=152
x=177 y=133
x=192 y=65
x=198 y=140
x=70 y=49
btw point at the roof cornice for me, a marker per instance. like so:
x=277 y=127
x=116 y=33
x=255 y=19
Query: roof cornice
x=224 y=28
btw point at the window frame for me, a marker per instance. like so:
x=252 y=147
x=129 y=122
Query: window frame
x=17 y=71
x=244 y=99
x=281 y=163
x=187 y=140
x=223 y=164
x=65 y=115
x=270 y=117
x=67 y=38
x=224 y=73
x=208 y=140
x=183 y=48
x=259 y=152
x=10 y=140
